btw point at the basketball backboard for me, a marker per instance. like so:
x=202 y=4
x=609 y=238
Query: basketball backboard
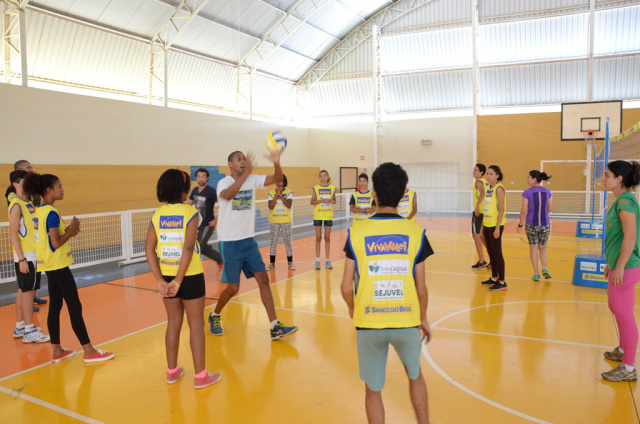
x=579 y=117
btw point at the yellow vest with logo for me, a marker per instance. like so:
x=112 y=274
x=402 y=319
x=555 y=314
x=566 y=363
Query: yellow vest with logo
x=170 y=222
x=280 y=214
x=476 y=192
x=48 y=258
x=323 y=211
x=491 y=206
x=362 y=201
x=385 y=250
x=25 y=230
x=405 y=207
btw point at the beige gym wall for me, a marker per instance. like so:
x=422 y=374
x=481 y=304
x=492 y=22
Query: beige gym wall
x=517 y=143
x=109 y=154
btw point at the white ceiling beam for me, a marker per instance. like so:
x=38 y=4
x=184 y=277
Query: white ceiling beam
x=280 y=32
x=284 y=12
x=387 y=15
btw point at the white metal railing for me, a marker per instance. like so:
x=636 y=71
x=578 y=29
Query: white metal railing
x=120 y=236
x=566 y=204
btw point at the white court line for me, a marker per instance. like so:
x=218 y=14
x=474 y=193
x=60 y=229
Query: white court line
x=435 y=366
x=48 y=405
x=152 y=326
x=294 y=310
x=470 y=392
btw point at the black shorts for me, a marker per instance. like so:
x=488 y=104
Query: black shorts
x=30 y=281
x=192 y=286
x=319 y=222
x=476 y=223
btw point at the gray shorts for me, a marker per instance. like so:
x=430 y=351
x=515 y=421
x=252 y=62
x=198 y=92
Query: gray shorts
x=373 y=347
x=537 y=234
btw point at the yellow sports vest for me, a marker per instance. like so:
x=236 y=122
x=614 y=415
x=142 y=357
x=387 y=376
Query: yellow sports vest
x=170 y=222
x=491 y=206
x=405 y=207
x=26 y=230
x=323 y=211
x=280 y=214
x=476 y=192
x=363 y=201
x=385 y=250
x=48 y=258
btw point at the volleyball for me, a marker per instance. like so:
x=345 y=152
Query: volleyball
x=275 y=141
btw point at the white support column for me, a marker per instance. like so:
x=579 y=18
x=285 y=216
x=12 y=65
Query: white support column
x=22 y=30
x=251 y=96
x=592 y=23
x=165 y=72
x=377 y=91
x=475 y=78
x=588 y=189
x=182 y=16
x=14 y=39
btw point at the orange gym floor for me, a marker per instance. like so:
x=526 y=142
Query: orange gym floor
x=530 y=354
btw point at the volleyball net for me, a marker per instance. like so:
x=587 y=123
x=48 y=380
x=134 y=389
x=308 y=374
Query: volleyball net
x=624 y=146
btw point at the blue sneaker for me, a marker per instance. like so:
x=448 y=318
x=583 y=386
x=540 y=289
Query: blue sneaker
x=39 y=301
x=214 y=325
x=546 y=273
x=280 y=331
x=19 y=332
x=36 y=309
x=536 y=277
x=317 y=265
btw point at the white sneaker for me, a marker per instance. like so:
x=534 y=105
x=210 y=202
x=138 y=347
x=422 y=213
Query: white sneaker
x=292 y=267
x=35 y=336
x=270 y=266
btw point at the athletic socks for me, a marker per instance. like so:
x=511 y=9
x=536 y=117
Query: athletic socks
x=274 y=323
x=629 y=368
x=272 y=258
x=317 y=259
x=289 y=258
x=202 y=374
x=173 y=370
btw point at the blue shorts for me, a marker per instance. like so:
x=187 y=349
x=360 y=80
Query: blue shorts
x=373 y=347
x=240 y=255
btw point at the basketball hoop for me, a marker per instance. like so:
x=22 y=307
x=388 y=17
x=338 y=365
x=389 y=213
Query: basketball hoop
x=589 y=137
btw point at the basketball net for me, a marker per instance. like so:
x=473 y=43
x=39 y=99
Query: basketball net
x=589 y=137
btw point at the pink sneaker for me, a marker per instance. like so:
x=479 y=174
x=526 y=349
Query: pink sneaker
x=99 y=356
x=207 y=380
x=67 y=353
x=172 y=377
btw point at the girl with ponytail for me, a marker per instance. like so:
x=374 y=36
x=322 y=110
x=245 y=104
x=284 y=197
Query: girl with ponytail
x=623 y=264
x=536 y=205
x=53 y=256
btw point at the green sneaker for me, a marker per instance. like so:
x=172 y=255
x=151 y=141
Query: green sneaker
x=536 y=277
x=614 y=355
x=546 y=273
x=620 y=373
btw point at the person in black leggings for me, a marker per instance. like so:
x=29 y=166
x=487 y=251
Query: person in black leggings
x=495 y=216
x=53 y=256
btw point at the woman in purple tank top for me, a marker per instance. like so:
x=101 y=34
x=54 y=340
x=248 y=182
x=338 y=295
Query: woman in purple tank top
x=536 y=205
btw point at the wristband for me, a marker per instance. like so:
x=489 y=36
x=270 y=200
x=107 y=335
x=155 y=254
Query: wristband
x=22 y=260
x=520 y=225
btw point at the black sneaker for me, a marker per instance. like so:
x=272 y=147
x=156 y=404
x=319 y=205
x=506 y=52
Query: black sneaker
x=498 y=286
x=488 y=265
x=479 y=265
x=489 y=282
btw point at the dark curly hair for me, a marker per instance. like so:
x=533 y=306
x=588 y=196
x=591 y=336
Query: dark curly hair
x=389 y=182
x=172 y=184
x=38 y=184
x=630 y=172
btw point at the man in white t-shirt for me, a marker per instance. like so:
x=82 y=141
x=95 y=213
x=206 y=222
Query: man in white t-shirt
x=236 y=228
